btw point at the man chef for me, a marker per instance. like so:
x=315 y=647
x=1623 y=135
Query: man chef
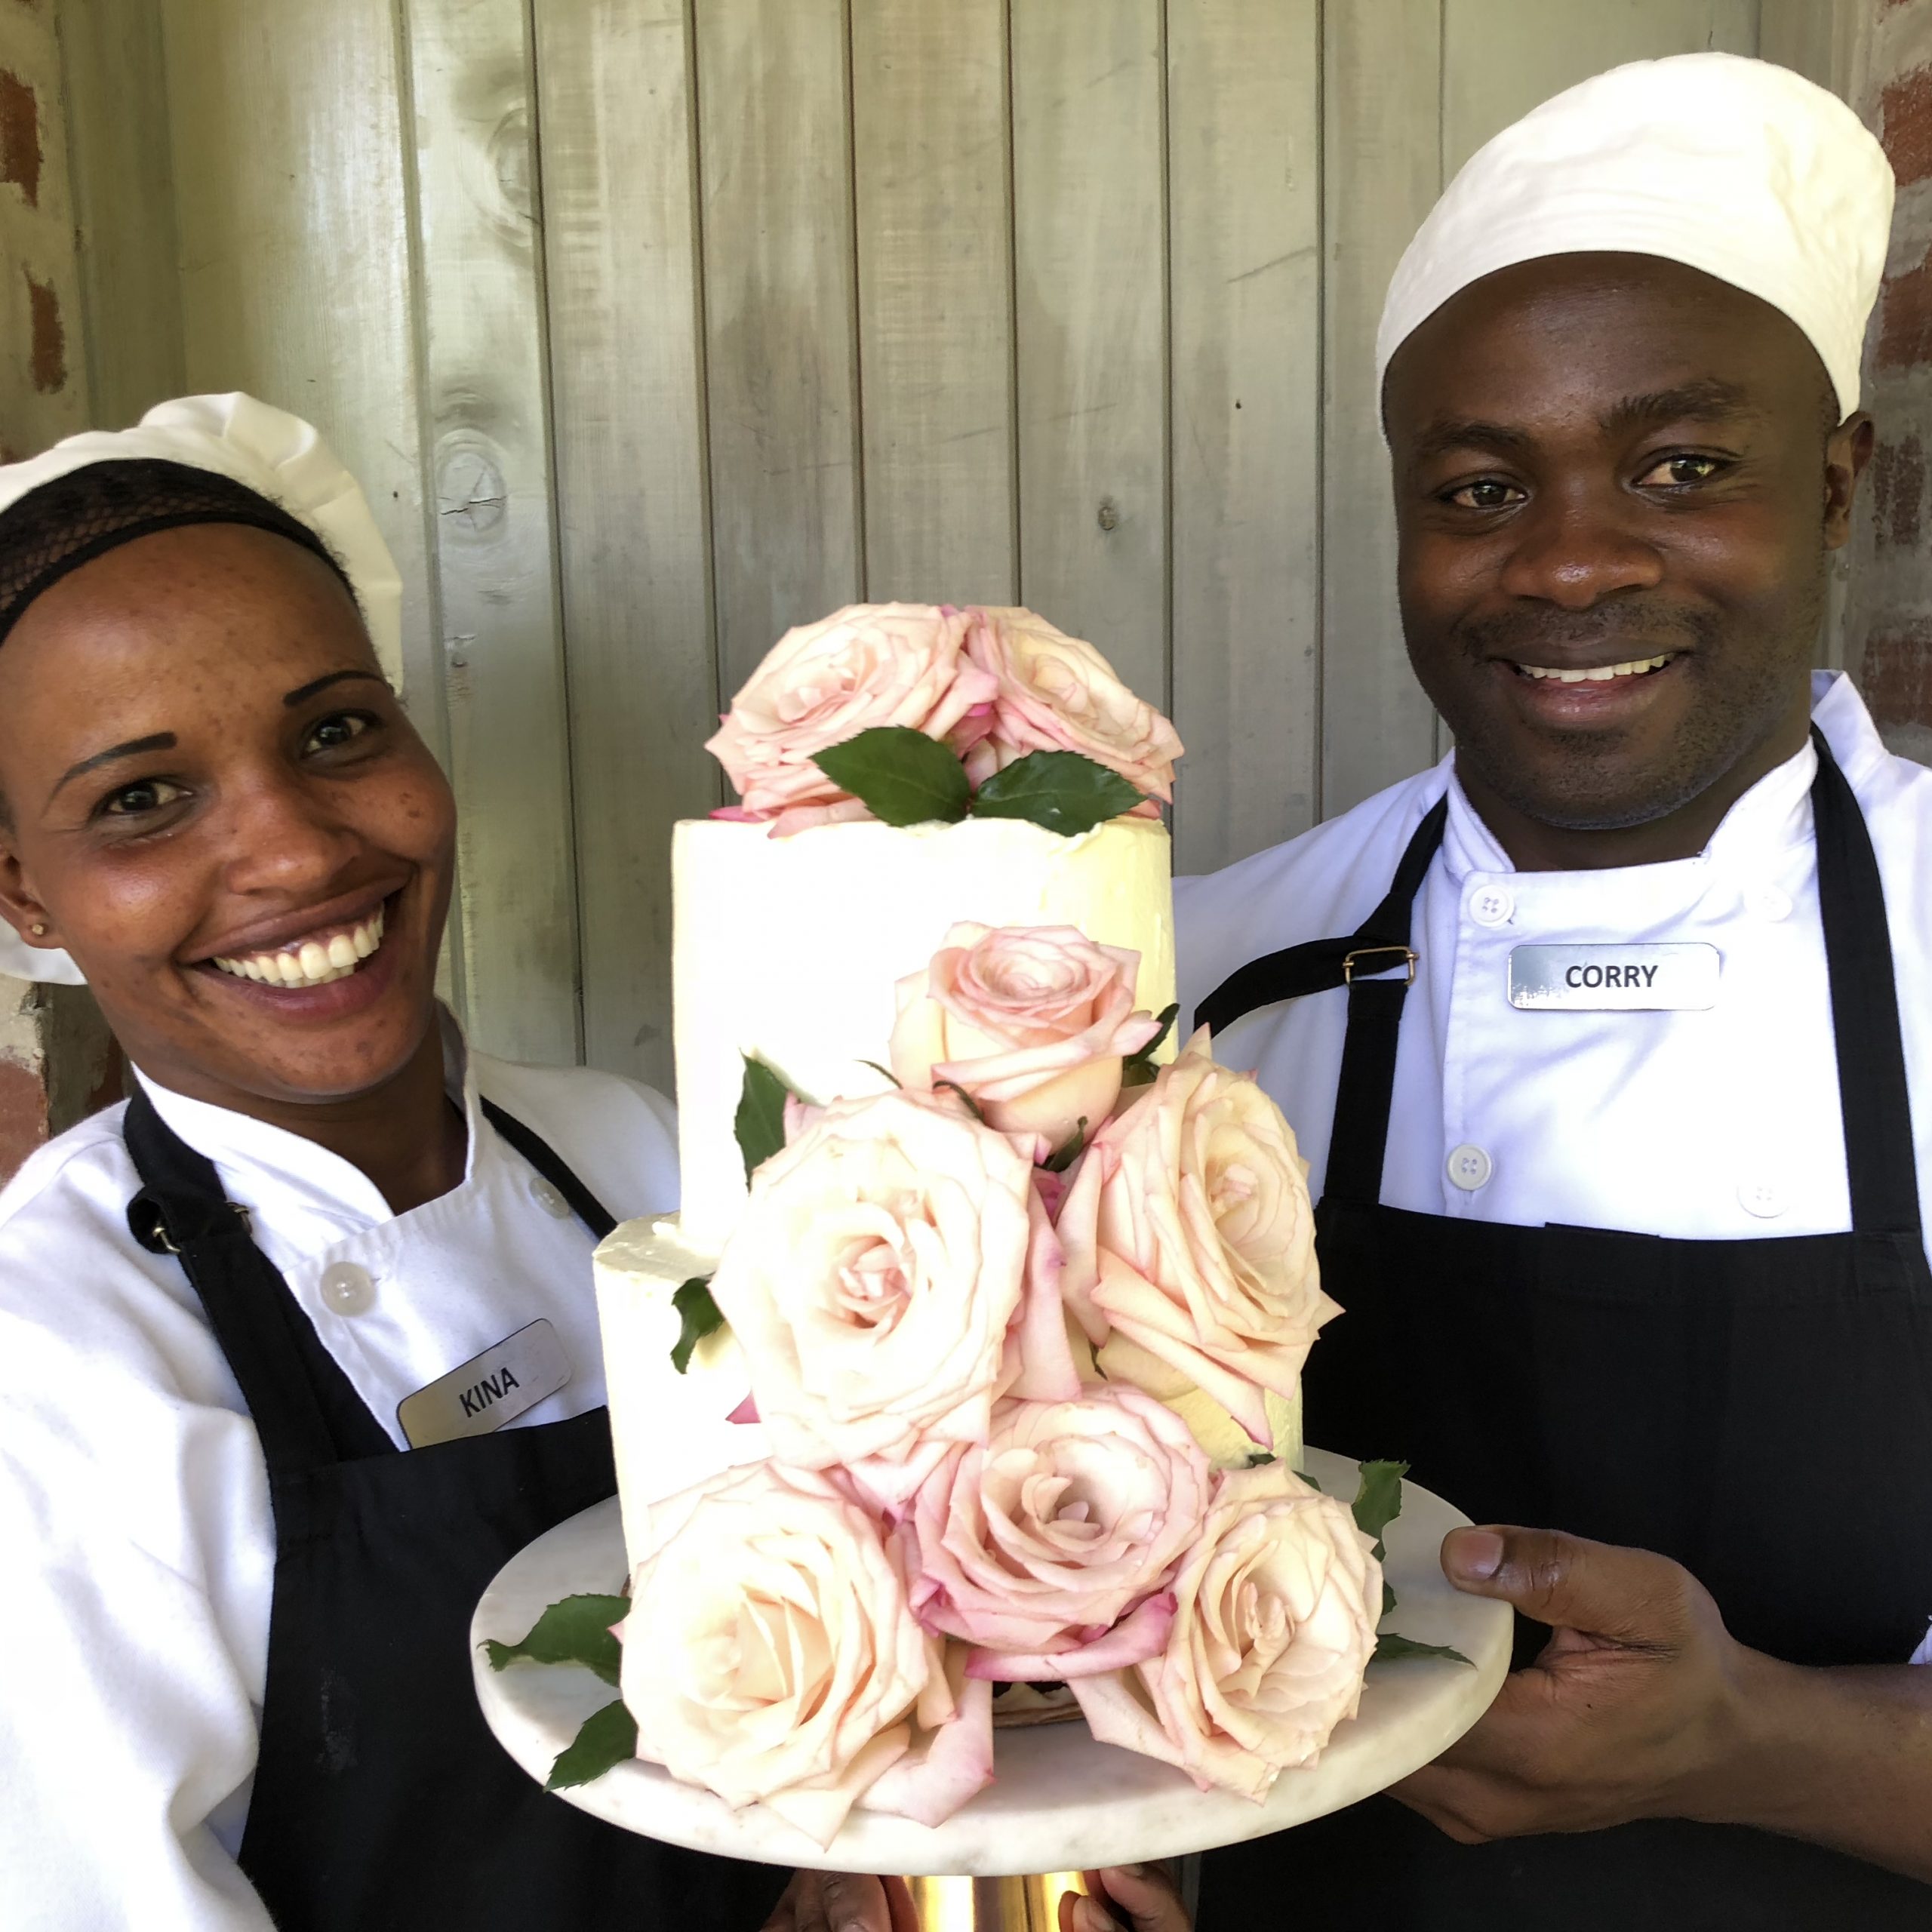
x=1621 y=1126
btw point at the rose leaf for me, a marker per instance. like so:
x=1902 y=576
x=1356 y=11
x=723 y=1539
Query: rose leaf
x=885 y=1072
x=1066 y=791
x=604 y=1738
x=900 y=776
x=760 y=1120
x=701 y=1315
x=1058 y=1164
x=972 y=1105
x=1309 y=1479
x=1379 y=1500
x=1388 y=1599
x=1260 y=1459
x=1140 y=1070
x=576 y=1630
x=1390 y=1648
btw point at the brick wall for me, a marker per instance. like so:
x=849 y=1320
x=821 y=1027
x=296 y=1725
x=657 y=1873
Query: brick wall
x=1888 y=599
x=56 y=1061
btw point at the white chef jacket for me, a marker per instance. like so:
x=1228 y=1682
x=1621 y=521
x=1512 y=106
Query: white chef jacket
x=1722 y=1125
x=137 y=1548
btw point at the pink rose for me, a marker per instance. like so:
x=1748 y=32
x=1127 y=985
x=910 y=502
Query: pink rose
x=820 y=684
x=892 y=1269
x=1033 y=1022
x=1190 y=1242
x=1275 y=1608
x=1035 y=1546
x=770 y=1655
x=1053 y=693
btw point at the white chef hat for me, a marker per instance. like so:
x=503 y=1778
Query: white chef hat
x=1739 y=168
x=276 y=455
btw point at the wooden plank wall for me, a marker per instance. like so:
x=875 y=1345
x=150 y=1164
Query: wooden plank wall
x=655 y=326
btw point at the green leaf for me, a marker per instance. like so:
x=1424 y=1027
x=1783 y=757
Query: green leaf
x=702 y=1317
x=1140 y=1069
x=604 y=1738
x=760 y=1120
x=1065 y=1158
x=1065 y=792
x=1390 y=1648
x=1379 y=1499
x=577 y=1630
x=1260 y=1459
x=900 y=776
x=972 y=1105
x=1388 y=1599
x=885 y=1072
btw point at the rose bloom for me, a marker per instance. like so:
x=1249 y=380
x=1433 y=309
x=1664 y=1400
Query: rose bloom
x=1070 y=1515
x=1190 y=1242
x=866 y=665
x=1033 y=1022
x=1275 y=1617
x=1053 y=693
x=769 y=1653
x=891 y=1264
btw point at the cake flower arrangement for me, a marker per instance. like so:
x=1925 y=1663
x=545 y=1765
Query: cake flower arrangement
x=966 y=1306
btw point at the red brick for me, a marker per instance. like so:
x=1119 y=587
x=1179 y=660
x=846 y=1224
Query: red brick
x=1898 y=493
x=1906 y=107
x=1904 y=319
x=48 y=358
x=22 y=1114
x=19 y=136
x=1896 y=674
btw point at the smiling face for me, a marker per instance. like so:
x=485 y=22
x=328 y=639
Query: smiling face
x=202 y=763
x=1615 y=485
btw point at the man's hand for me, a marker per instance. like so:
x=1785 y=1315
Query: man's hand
x=1141 y=1898
x=1633 y=1710
x=843 y=1902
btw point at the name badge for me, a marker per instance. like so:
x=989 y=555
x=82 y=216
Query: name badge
x=1615 y=979
x=488 y=1390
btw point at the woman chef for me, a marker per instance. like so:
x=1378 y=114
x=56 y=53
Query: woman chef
x=1623 y=1196
x=245 y=1508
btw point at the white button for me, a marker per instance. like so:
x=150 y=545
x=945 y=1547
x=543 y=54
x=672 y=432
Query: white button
x=1469 y=1166
x=346 y=1288
x=1764 y=1199
x=1492 y=905
x=550 y=1200
x=1768 y=902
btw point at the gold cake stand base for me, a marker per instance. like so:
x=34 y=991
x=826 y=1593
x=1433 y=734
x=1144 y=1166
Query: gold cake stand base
x=992 y=1905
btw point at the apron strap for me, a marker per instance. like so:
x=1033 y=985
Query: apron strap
x=304 y=1407
x=549 y=1164
x=1873 y=1098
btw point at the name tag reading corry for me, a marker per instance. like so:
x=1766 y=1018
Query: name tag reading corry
x=1615 y=978
x=488 y=1390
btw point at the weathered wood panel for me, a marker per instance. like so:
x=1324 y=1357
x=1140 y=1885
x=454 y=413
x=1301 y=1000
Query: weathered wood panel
x=1244 y=147
x=775 y=144
x=620 y=233
x=487 y=418
x=1382 y=171
x=1091 y=316
x=934 y=240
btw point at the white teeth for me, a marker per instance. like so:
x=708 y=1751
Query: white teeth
x=313 y=962
x=1635 y=668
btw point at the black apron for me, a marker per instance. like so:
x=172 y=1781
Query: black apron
x=381 y=1800
x=1760 y=1410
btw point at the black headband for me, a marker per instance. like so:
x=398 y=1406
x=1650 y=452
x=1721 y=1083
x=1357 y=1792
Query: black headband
x=75 y=517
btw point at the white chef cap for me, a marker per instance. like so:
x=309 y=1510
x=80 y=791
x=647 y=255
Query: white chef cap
x=276 y=455
x=1739 y=168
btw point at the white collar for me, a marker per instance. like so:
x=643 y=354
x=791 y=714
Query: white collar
x=240 y=1146
x=1773 y=815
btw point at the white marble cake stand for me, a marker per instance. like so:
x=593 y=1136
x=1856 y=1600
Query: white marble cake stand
x=1061 y=1801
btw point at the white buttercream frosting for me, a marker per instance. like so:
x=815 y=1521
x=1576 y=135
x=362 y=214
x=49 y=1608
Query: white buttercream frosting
x=788 y=949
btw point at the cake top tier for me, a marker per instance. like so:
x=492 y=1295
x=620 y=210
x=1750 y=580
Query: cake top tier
x=1020 y=721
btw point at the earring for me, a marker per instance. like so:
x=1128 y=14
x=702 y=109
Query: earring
x=38 y=929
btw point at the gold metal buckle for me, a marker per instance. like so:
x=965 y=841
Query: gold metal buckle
x=1374 y=951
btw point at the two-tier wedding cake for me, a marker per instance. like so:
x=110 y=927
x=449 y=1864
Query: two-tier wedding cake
x=973 y=1358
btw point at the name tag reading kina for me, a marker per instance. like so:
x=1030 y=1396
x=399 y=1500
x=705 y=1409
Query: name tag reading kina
x=488 y=1390
x=1615 y=978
